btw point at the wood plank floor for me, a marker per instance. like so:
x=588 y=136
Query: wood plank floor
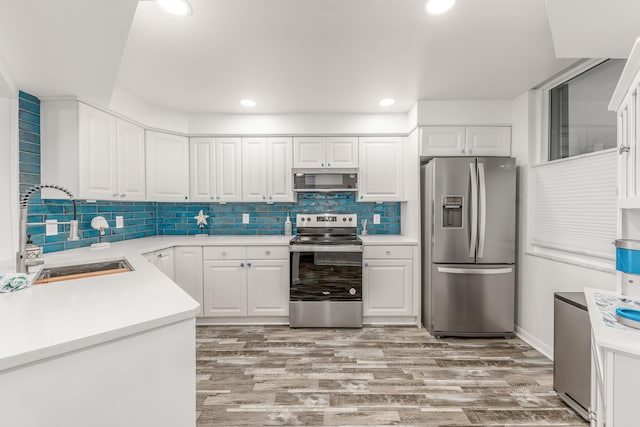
x=273 y=375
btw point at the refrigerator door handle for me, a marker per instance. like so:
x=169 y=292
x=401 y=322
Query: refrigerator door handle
x=505 y=270
x=482 y=202
x=474 y=210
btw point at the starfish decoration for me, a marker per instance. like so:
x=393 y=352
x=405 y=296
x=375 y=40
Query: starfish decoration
x=201 y=218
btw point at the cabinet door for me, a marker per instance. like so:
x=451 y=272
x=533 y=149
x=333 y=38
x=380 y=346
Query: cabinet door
x=309 y=152
x=164 y=260
x=279 y=173
x=442 y=141
x=268 y=287
x=381 y=177
x=225 y=288
x=97 y=161
x=254 y=169
x=228 y=169
x=201 y=169
x=488 y=141
x=131 y=163
x=342 y=152
x=188 y=271
x=167 y=167
x=387 y=287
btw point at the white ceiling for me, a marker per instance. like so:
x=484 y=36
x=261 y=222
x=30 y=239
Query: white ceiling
x=296 y=56
x=594 y=28
x=334 y=55
x=65 y=47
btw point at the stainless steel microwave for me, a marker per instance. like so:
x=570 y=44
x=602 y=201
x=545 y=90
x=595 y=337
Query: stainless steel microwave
x=325 y=181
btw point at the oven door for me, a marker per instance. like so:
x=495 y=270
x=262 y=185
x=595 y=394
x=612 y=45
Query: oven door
x=326 y=273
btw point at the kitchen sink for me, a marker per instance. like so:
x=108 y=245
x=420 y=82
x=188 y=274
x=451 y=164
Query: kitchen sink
x=81 y=271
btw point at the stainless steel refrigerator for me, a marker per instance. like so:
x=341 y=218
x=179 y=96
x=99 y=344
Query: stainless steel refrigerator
x=468 y=246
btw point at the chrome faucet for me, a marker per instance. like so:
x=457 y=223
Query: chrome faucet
x=22 y=261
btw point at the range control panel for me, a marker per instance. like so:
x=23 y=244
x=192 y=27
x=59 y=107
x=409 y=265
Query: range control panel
x=327 y=220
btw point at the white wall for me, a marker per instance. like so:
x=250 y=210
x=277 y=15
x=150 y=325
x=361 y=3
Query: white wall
x=309 y=124
x=151 y=116
x=443 y=113
x=8 y=182
x=539 y=278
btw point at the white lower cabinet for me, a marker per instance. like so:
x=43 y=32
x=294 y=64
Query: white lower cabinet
x=225 y=288
x=188 y=271
x=268 y=287
x=164 y=260
x=387 y=282
x=246 y=281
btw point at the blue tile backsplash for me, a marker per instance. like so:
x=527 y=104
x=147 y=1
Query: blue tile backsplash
x=143 y=219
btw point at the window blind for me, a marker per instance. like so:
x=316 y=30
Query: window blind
x=575 y=205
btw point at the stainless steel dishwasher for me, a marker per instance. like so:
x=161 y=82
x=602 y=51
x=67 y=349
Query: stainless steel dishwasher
x=572 y=351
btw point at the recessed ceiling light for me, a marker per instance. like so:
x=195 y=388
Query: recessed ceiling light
x=436 y=7
x=176 y=7
x=387 y=102
x=248 y=102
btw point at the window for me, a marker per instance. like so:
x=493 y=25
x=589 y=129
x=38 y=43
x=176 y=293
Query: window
x=579 y=122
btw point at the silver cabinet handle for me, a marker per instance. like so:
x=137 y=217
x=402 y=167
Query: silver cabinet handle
x=162 y=255
x=462 y=151
x=482 y=234
x=329 y=164
x=388 y=252
x=505 y=270
x=224 y=254
x=624 y=149
x=474 y=209
x=123 y=195
x=267 y=252
x=248 y=264
x=242 y=264
x=115 y=194
x=366 y=264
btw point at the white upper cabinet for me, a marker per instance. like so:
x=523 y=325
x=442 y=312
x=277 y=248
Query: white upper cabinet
x=97 y=160
x=309 y=152
x=228 y=169
x=626 y=103
x=381 y=177
x=342 y=152
x=488 y=141
x=443 y=141
x=202 y=158
x=131 y=164
x=254 y=169
x=465 y=141
x=216 y=169
x=279 y=175
x=266 y=170
x=167 y=159
x=93 y=153
x=325 y=152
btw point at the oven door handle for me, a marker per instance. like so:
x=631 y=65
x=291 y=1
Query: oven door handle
x=325 y=248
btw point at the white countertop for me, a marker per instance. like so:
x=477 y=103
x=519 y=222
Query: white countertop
x=606 y=331
x=48 y=320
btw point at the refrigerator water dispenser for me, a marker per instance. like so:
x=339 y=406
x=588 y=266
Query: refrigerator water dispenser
x=452 y=212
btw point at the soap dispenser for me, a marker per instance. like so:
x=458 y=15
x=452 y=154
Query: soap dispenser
x=32 y=250
x=288 y=228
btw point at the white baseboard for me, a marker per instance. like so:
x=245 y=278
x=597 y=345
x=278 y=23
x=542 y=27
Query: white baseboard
x=534 y=342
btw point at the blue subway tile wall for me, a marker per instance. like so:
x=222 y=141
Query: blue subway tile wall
x=177 y=218
x=143 y=219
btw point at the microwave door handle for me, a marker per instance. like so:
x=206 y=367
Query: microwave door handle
x=473 y=240
x=482 y=202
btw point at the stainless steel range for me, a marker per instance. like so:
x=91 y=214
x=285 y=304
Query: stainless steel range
x=326 y=272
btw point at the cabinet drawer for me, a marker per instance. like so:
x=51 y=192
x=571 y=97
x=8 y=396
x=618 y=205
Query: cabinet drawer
x=224 y=252
x=389 y=252
x=267 y=252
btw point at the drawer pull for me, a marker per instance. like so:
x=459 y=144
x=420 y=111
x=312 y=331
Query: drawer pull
x=242 y=264
x=267 y=252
